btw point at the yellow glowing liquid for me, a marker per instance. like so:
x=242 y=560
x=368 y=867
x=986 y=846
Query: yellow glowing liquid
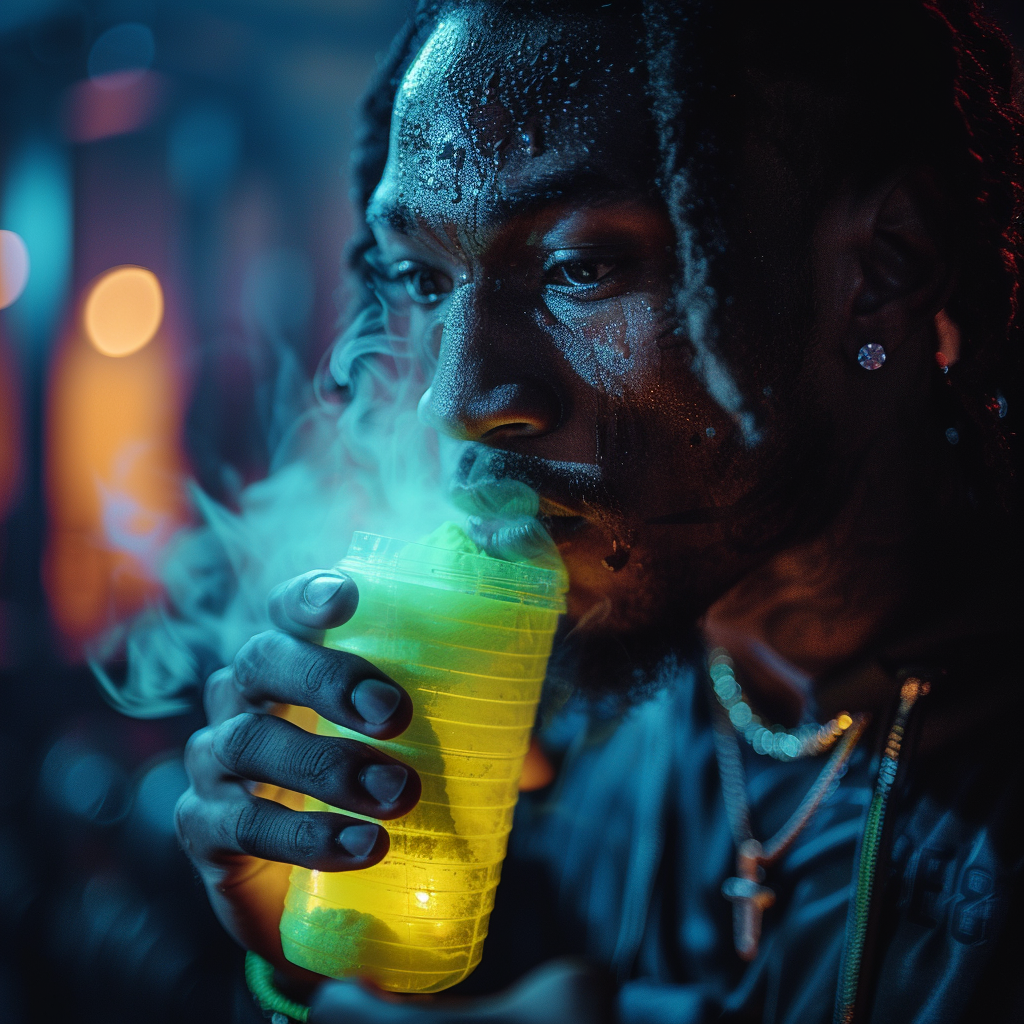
x=473 y=666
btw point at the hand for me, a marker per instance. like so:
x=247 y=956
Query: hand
x=559 y=992
x=243 y=844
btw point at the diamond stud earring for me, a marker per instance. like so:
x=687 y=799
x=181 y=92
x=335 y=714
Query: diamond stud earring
x=871 y=356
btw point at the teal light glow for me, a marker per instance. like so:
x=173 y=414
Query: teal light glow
x=37 y=204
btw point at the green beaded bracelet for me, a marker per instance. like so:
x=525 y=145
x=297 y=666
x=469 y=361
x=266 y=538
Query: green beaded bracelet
x=259 y=976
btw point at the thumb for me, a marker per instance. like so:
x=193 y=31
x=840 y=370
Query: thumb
x=308 y=604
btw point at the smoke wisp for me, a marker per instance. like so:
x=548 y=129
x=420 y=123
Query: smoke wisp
x=355 y=457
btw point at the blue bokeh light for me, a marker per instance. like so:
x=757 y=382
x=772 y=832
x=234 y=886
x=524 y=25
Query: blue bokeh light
x=157 y=794
x=84 y=782
x=37 y=205
x=126 y=47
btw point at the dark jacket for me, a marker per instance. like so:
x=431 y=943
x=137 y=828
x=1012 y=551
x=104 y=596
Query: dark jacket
x=623 y=861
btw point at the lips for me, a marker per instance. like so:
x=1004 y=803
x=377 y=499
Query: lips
x=562 y=528
x=500 y=489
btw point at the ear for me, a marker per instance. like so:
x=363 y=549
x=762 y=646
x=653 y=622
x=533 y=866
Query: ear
x=901 y=271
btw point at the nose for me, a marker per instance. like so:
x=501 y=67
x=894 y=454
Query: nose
x=492 y=382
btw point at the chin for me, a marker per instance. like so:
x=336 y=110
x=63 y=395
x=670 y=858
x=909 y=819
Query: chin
x=613 y=670
x=622 y=625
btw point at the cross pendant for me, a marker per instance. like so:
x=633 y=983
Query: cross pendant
x=749 y=899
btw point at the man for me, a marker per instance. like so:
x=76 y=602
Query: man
x=732 y=287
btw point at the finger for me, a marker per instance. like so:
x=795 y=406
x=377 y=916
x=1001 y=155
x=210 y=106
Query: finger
x=346 y=689
x=308 y=604
x=340 y=772
x=212 y=830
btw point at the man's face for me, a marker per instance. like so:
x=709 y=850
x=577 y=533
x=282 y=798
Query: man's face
x=518 y=210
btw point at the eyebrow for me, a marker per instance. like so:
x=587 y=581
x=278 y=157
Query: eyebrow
x=582 y=186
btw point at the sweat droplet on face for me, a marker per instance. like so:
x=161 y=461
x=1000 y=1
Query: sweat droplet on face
x=620 y=342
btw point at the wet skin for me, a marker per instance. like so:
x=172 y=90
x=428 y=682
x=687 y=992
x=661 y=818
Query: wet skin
x=519 y=233
x=534 y=236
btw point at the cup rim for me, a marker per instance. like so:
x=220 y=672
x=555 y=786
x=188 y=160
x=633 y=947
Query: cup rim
x=376 y=555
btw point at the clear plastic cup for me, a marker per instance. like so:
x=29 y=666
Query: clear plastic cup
x=468 y=636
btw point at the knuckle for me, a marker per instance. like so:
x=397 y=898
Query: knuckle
x=197 y=745
x=251 y=827
x=185 y=814
x=307 y=838
x=320 y=764
x=251 y=662
x=240 y=741
x=318 y=673
x=214 y=691
x=278 y=834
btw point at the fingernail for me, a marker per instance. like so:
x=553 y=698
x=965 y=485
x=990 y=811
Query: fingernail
x=358 y=840
x=321 y=589
x=375 y=700
x=384 y=782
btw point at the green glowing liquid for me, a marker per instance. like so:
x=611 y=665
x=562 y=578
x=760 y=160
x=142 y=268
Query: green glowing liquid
x=473 y=663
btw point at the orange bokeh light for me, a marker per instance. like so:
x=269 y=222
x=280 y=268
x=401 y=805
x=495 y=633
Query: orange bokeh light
x=124 y=310
x=114 y=471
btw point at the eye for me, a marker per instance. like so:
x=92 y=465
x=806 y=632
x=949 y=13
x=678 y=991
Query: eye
x=579 y=273
x=424 y=285
x=397 y=282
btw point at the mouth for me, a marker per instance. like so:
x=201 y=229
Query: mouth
x=505 y=493
x=561 y=528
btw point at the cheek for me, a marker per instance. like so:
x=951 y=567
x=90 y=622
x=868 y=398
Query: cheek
x=649 y=413
x=608 y=346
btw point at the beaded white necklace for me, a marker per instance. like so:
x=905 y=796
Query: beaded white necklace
x=783 y=744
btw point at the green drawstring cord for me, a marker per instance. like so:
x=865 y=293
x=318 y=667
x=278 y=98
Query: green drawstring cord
x=870 y=845
x=259 y=976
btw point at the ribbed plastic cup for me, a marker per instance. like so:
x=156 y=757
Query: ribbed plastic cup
x=469 y=637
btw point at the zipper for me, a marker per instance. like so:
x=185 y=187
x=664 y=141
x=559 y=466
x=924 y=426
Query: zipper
x=857 y=921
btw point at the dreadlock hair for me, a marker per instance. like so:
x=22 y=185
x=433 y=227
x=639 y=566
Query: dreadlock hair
x=838 y=92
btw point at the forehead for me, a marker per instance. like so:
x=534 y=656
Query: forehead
x=493 y=111
x=560 y=70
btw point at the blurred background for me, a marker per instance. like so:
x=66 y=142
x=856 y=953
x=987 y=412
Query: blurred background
x=173 y=215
